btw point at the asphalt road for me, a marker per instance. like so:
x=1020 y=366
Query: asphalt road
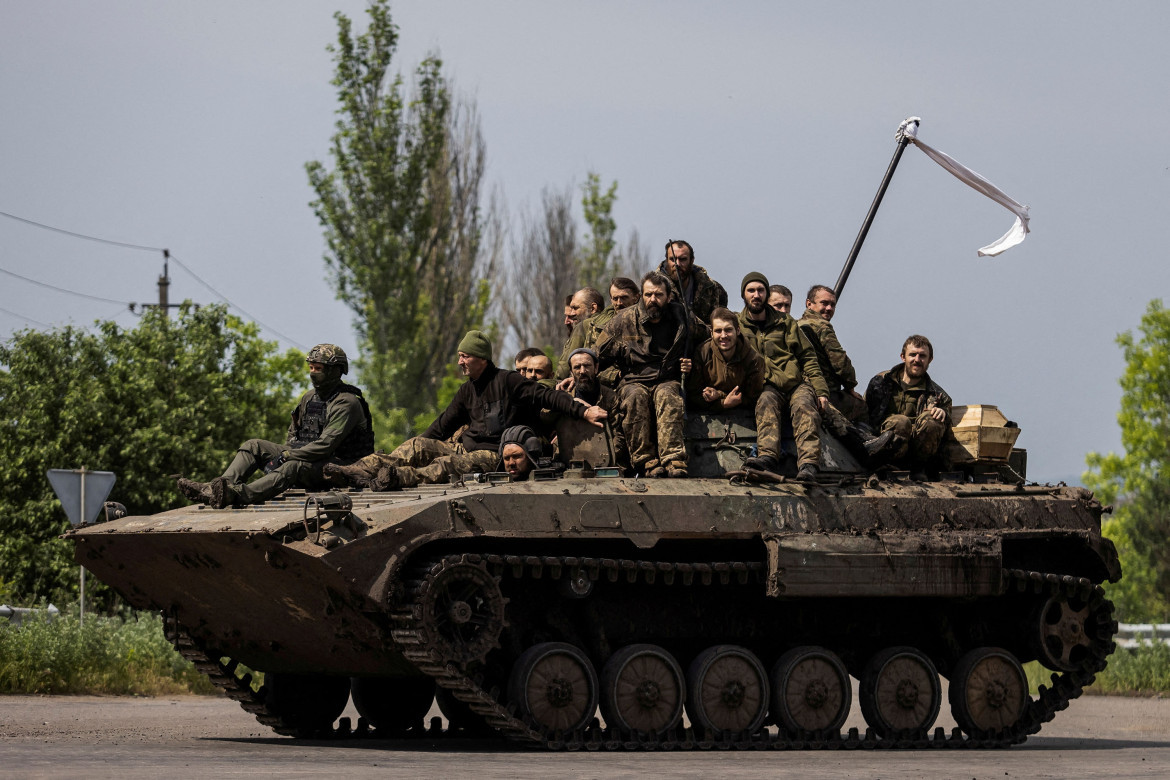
x=125 y=738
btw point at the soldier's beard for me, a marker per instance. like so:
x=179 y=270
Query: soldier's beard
x=654 y=311
x=586 y=386
x=755 y=307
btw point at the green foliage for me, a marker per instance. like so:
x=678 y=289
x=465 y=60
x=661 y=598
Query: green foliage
x=1136 y=481
x=1144 y=669
x=172 y=395
x=402 y=219
x=594 y=265
x=127 y=654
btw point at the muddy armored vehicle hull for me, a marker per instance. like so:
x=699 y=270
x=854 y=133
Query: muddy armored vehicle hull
x=586 y=610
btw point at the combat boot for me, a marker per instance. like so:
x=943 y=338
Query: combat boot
x=199 y=492
x=386 y=479
x=676 y=469
x=807 y=473
x=347 y=476
x=223 y=495
x=763 y=462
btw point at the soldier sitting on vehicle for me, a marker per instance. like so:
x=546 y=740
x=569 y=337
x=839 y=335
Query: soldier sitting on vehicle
x=840 y=376
x=726 y=371
x=646 y=343
x=578 y=442
x=488 y=403
x=330 y=425
x=702 y=292
x=906 y=401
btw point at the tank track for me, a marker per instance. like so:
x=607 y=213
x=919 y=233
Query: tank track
x=502 y=718
x=224 y=678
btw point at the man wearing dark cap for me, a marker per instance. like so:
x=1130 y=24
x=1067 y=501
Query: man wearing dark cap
x=488 y=403
x=330 y=425
x=793 y=381
x=520 y=452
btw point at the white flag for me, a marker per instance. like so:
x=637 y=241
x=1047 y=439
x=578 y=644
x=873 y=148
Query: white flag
x=1019 y=230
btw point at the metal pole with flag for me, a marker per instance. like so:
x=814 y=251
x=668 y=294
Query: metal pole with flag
x=908 y=134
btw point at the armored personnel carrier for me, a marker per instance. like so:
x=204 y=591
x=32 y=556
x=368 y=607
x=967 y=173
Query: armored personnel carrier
x=589 y=610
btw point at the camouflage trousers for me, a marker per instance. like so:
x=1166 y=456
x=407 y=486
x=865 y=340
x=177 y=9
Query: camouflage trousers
x=645 y=409
x=849 y=405
x=801 y=404
x=923 y=434
x=255 y=453
x=420 y=460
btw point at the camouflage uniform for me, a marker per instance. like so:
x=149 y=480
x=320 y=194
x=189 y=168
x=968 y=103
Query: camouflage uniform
x=835 y=365
x=650 y=380
x=329 y=425
x=704 y=294
x=585 y=335
x=486 y=407
x=906 y=410
x=794 y=381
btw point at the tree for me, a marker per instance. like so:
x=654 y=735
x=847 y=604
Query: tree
x=410 y=246
x=1139 y=480
x=544 y=270
x=168 y=396
x=548 y=262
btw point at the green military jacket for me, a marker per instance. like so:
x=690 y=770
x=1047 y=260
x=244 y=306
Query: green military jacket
x=887 y=394
x=585 y=335
x=836 y=366
x=626 y=343
x=788 y=356
x=744 y=369
x=706 y=296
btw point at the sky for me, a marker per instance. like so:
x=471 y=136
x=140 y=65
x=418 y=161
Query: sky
x=758 y=131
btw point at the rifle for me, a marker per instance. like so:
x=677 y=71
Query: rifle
x=682 y=295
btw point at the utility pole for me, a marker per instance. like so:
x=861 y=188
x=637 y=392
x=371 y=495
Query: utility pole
x=164 y=284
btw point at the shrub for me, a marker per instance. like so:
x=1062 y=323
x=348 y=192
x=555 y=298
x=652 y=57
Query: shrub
x=126 y=654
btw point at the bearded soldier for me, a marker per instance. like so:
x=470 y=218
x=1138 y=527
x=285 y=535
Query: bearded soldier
x=331 y=424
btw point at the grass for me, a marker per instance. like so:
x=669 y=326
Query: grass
x=120 y=655
x=1141 y=671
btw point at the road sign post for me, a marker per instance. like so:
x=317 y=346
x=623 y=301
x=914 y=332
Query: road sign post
x=82 y=494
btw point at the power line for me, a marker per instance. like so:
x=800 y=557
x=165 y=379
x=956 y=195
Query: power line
x=25 y=319
x=224 y=298
x=166 y=254
x=62 y=289
x=81 y=235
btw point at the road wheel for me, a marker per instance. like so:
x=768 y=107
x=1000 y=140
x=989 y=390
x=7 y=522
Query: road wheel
x=727 y=690
x=392 y=704
x=554 y=684
x=989 y=692
x=810 y=691
x=642 y=690
x=900 y=692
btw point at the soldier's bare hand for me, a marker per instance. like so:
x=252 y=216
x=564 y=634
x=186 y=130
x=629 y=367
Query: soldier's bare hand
x=733 y=399
x=595 y=414
x=938 y=413
x=567 y=384
x=822 y=402
x=710 y=394
x=684 y=365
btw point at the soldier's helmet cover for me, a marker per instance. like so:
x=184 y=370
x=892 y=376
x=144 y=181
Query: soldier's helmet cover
x=329 y=355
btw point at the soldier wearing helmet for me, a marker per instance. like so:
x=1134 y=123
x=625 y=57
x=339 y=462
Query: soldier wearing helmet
x=331 y=424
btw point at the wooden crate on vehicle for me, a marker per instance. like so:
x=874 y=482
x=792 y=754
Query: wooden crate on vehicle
x=983 y=431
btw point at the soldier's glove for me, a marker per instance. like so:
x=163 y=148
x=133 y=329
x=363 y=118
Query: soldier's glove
x=275 y=463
